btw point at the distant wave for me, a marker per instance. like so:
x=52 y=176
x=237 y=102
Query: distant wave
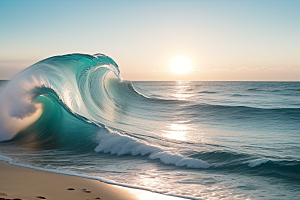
x=239 y=95
x=254 y=89
x=245 y=163
x=208 y=92
x=242 y=112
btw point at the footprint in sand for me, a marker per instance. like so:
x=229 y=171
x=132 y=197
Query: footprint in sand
x=41 y=197
x=1 y=198
x=71 y=189
x=8 y=199
x=86 y=190
x=3 y=194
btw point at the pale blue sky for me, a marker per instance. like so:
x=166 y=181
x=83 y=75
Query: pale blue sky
x=224 y=40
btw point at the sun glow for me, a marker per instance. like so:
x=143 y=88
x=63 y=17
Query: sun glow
x=180 y=65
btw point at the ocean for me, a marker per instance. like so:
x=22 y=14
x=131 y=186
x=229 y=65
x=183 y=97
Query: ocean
x=192 y=139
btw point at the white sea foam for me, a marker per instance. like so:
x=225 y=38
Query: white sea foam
x=179 y=160
x=257 y=162
x=5 y=158
x=112 y=142
x=17 y=109
x=138 y=191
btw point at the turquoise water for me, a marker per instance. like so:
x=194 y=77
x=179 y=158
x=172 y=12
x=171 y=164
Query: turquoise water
x=200 y=140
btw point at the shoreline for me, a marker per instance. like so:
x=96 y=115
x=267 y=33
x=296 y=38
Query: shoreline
x=25 y=183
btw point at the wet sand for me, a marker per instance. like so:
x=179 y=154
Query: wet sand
x=30 y=184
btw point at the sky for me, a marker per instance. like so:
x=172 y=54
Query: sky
x=224 y=40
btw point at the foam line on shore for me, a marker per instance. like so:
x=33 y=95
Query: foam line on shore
x=9 y=160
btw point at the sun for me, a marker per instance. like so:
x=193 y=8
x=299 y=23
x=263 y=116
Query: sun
x=180 y=65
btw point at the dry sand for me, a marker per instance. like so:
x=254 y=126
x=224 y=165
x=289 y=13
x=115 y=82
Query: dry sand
x=24 y=183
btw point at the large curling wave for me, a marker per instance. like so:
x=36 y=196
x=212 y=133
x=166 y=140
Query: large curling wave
x=73 y=102
x=42 y=98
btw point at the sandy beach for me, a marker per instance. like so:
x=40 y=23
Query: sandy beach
x=30 y=184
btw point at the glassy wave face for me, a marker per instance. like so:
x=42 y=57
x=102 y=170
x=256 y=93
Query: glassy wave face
x=230 y=140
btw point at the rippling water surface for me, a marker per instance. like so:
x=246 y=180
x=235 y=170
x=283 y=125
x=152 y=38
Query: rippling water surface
x=202 y=140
